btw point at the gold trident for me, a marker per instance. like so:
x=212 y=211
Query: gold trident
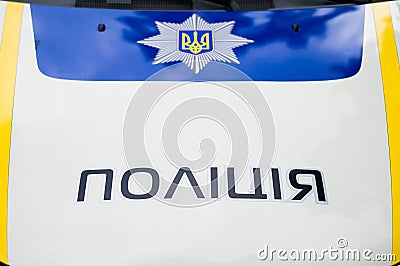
x=195 y=47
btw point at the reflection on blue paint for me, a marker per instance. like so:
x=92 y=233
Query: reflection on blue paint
x=328 y=45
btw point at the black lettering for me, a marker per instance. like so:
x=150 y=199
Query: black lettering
x=108 y=184
x=214 y=182
x=177 y=179
x=155 y=183
x=305 y=189
x=276 y=184
x=257 y=184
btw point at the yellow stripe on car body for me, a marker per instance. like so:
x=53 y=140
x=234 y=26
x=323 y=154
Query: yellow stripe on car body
x=8 y=68
x=391 y=83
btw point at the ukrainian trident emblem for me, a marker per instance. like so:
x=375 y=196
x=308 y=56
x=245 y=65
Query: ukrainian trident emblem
x=195 y=42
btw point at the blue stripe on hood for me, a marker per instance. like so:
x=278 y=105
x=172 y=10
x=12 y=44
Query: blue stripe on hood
x=327 y=46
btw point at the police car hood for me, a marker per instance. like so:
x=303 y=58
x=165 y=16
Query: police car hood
x=193 y=138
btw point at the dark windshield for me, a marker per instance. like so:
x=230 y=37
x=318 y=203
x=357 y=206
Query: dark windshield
x=227 y=5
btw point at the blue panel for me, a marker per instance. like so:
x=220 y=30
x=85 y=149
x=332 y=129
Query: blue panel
x=327 y=46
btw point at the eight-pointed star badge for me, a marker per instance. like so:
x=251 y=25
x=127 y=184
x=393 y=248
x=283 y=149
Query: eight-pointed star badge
x=195 y=42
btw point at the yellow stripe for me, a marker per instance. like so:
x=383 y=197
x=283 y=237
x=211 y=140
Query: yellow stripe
x=8 y=68
x=391 y=84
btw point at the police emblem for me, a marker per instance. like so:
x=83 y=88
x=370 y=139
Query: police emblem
x=195 y=42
